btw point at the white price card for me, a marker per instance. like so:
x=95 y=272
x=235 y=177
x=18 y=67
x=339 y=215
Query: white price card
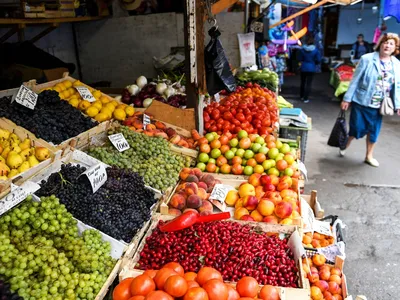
x=302 y=168
x=146 y=121
x=97 y=176
x=85 y=93
x=119 y=142
x=322 y=227
x=26 y=97
x=330 y=252
x=17 y=195
x=217 y=97
x=220 y=191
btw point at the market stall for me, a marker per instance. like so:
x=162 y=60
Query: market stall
x=340 y=78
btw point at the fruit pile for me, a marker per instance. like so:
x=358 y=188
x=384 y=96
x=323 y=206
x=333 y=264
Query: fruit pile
x=43 y=256
x=267 y=199
x=119 y=208
x=102 y=109
x=17 y=156
x=223 y=245
x=193 y=192
x=151 y=157
x=53 y=120
x=158 y=128
x=326 y=280
x=246 y=154
x=317 y=240
x=171 y=282
x=253 y=109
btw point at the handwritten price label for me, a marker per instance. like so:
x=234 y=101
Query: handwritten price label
x=330 y=252
x=26 y=97
x=97 y=176
x=119 y=142
x=17 y=195
x=322 y=228
x=85 y=93
x=146 y=120
x=220 y=191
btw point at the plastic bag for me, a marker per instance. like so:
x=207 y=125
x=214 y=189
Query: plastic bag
x=339 y=134
x=218 y=72
x=247 y=49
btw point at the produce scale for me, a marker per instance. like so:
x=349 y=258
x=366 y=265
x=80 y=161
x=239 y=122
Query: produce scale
x=103 y=198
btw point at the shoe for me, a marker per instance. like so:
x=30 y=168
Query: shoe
x=306 y=101
x=372 y=162
x=342 y=152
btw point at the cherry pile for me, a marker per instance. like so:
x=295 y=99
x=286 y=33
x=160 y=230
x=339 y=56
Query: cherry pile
x=234 y=249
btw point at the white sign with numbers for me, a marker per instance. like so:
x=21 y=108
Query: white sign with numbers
x=146 y=120
x=26 y=97
x=97 y=176
x=119 y=142
x=220 y=191
x=85 y=93
x=17 y=195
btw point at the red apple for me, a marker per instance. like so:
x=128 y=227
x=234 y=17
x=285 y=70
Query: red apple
x=269 y=188
x=250 y=202
x=265 y=180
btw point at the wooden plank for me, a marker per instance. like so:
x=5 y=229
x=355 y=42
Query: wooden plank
x=221 y=5
x=10 y=21
x=201 y=69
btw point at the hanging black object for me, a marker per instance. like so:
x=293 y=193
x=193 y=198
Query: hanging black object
x=218 y=72
x=339 y=135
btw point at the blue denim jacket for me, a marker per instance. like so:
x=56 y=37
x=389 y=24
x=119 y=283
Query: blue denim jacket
x=362 y=86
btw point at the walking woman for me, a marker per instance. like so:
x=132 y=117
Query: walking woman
x=309 y=57
x=377 y=75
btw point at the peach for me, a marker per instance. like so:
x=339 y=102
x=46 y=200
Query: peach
x=336 y=279
x=232 y=197
x=192 y=178
x=340 y=292
x=319 y=260
x=184 y=173
x=174 y=212
x=183 y=194
x=206 y=206
x=316 y=293
x=206 y=213
x=254 y=180
x=288 y=193
x=177 y=201
x=322 y=284
x=270 y=220
x=336 y=271
x=273 y=196
x=266 y=207
x=194 y=201
x=250 y=202
x=202 y=193
x=333 y=287
x=283 y=210
x=327 y=296
x=256 y=216
x=239 y=203
x=313 y=277
x=207 y=179
x=202 y=185
x=240 y=212
x=247 y=189
x=197 y=172
x=260 y=192
x=247 y=218
x=315 y=243
x=191 y=188
x=324 y=274
x=286 y=221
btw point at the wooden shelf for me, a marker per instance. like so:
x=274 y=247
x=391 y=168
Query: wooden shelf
x=9 y=21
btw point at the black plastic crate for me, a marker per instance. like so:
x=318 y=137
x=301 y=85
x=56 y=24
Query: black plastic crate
x=293 y=133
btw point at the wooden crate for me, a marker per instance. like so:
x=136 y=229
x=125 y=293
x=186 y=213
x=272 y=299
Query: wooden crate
x=312 y=200
x=302 y=293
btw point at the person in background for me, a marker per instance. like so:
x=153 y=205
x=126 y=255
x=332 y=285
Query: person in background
x=263 y=55
x=309 y=57
x=361 y=47
x=377 y=75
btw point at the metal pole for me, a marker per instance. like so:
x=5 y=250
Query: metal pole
x=246 y=15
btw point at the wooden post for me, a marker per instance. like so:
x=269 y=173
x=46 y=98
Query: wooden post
x=200 y=45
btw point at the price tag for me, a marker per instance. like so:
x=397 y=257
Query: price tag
x=217 y=97
x=17 y=195
x=330 y=252
x=26 y=97
x=119 y=142
x=220 y=191
x=97 y=176
x=85 y=93
x=322 y=227
x=302 y=168
x=146 y=120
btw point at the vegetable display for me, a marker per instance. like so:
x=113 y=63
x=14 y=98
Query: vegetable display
x=265 y=78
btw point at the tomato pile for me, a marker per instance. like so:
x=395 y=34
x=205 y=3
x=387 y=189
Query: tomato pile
x=251 y=108
x=171 y=282
x=234 y=249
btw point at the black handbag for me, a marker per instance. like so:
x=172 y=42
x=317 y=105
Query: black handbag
x=339 y=134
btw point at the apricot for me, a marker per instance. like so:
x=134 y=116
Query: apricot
x=202 y=193
x=239 y=203
x=191 y=188
x=324 y=274
x=240 y=212
x=336 y=271
x=174 y=212
x=283 y=210
x=316 y=244
x=313 y=277
x=266 y=207
x=177 y=201
x=194 y=201
x=205 y=206
x=231 y=198
x=270 y=220
x=336 y=279
x=316 y=293
x=247 y=190
x=307 y=239
x=333 y=287
x=260 y=192
x=286 y=221
x=256 y=216
x=254 y=180
x=319 y=260
x=327 y=296
x=184 y=173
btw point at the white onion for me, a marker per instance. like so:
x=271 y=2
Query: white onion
x=141 y=81
x=147 y=102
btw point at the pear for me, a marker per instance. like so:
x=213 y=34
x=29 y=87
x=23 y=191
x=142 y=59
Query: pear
x=26 y=144
x=2 y=159
x=4 y=169
x=26 y=153
x=3 y=177
x=13 y=173
x=24 y=166
x=15 y=147
x=5 y=144
x=42 y=153
x=14 y=138
x=4 y=134
x=33 y=161
x=14 y=160
x=6 y=151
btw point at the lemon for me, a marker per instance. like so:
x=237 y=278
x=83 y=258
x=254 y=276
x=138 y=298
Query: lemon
x=129 y=110
x=61 y=86
x=84 y=104
x=74 y=102
x=115 y=103
x=77 y=83
x=67 y=84
x=57 y=89
x=101 y=117
x=73 y=97
x=110 y=106
x=97 y=104
x=66 y=94
x=106 y=111
x=121 y=106
x=92 y=111
x=97 y=94
x=104 y=99
x=119 y=114
x=72 y=91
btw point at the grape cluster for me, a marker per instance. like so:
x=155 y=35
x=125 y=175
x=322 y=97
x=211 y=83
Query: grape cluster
x=119 y=208
x=52 y=119
x=151 y=157
x=43 y=257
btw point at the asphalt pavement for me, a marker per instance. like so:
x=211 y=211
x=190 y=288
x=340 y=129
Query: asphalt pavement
x=367 y=199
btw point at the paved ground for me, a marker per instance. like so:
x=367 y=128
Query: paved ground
x=371 y=214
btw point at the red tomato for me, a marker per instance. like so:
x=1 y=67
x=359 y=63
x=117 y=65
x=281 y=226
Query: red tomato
x=227 y=115
x=215 y=114
x=213 y=128
x=207 y=125
x=240 y=117
x=122 y=290
x=206 y=116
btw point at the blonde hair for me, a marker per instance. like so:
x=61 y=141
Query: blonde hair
x=389 y=36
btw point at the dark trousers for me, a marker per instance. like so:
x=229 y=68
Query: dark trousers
x=305 y=84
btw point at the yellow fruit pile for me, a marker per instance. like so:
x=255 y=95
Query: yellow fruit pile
x=101 y=110
x=17 y=156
